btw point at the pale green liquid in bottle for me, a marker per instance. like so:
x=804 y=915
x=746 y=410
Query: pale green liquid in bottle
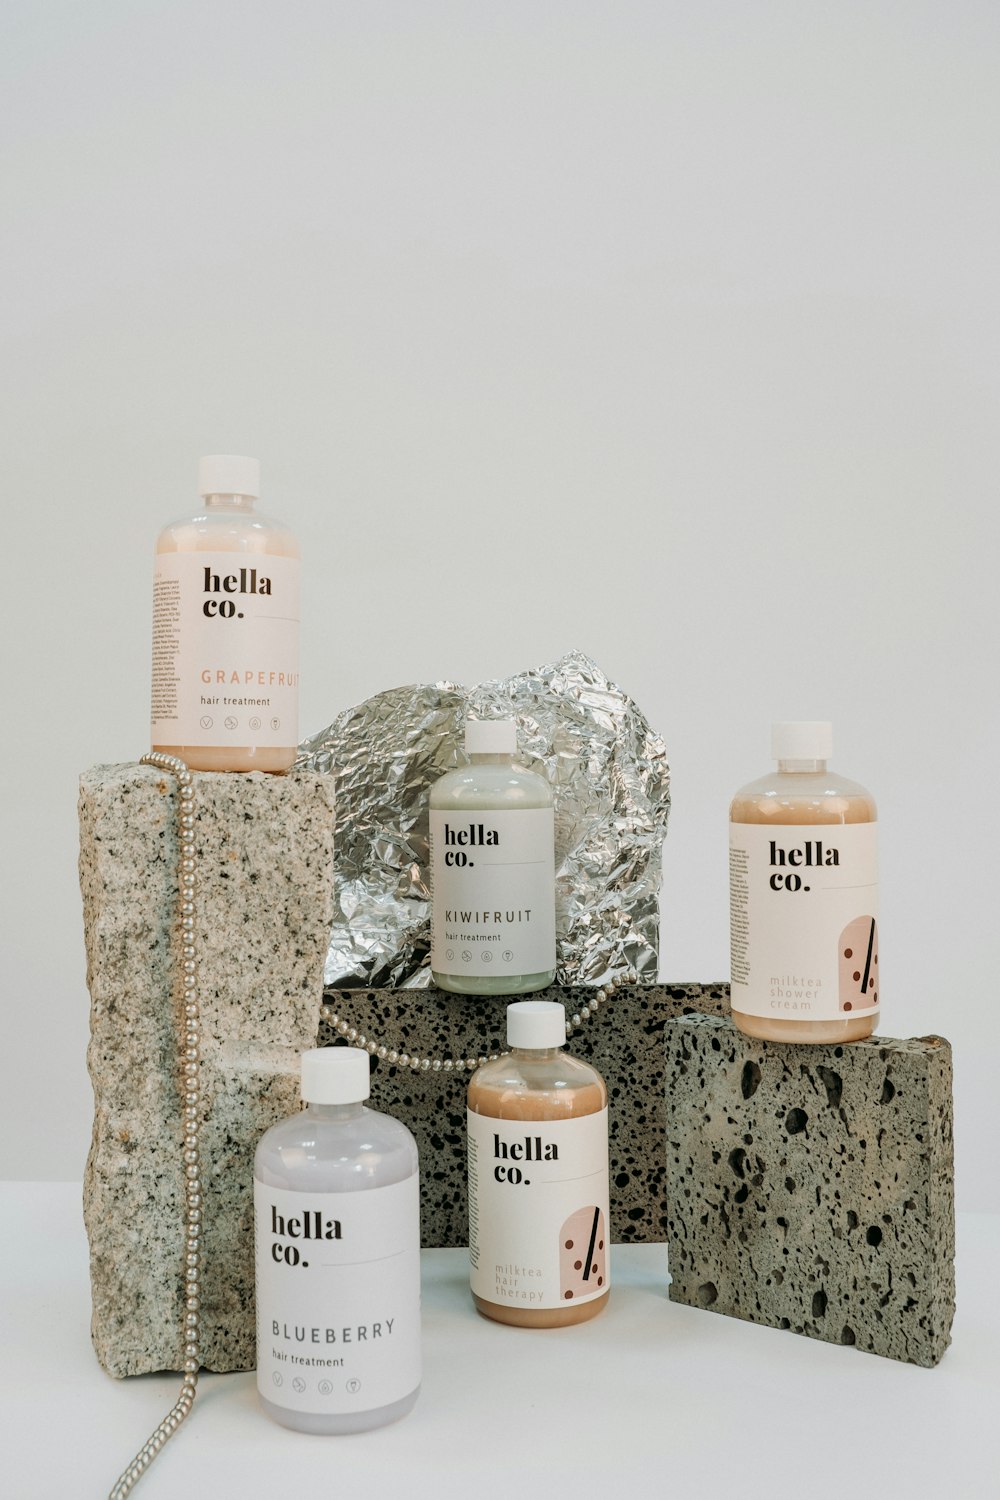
x=491 y=782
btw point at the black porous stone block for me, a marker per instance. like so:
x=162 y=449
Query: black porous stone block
x=623 y=1040
x=811 y=1187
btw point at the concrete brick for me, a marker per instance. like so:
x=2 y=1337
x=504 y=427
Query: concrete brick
x=811 y=1188
x=264 y=906
x=624 y=1041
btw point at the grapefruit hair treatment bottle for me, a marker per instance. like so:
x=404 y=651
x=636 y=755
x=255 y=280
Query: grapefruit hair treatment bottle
x=493 y=925
x=539 y=1223
x=803 y=895
x=337 y=1254
x=226 y=629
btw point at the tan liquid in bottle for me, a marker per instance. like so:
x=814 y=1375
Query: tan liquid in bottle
x=225 y=630
x=539 y=1235
x=798 y=802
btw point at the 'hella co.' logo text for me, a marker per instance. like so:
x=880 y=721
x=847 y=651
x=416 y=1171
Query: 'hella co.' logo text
x=811 y=853
x=246 y=581
x=310 y=1225
x=476 y=836
x=532 y=1148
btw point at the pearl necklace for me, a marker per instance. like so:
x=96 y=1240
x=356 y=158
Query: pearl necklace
x=191 y=1088
x=191 y=1081
x=418 y=1064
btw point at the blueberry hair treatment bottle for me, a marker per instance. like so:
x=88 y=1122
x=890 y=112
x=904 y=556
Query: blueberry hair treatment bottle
x=539 y=1224
x=337 y=1256
x=492 y=870
x=225 y=676
x=803 y=890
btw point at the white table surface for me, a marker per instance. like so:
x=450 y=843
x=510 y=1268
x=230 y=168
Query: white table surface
x=650 y=1399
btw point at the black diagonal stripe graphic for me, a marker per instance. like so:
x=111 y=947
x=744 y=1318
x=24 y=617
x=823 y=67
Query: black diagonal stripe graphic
x=590 y=1247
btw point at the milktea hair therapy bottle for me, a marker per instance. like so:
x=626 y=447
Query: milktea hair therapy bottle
x=226 y=629
x=803 y=888
x=538 y=1178
x=337 y=1251
x=492 y=870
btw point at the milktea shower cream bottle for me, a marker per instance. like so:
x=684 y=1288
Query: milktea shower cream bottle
x=337 y=1251
x=803 y=890
x=538 y=1178
x=493 y=929
x=226 y=629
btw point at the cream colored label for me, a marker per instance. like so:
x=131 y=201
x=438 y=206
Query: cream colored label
x=338 y=1297
x=538 y=1210
x=225 y=649
x=804 y=920
x=492 y=892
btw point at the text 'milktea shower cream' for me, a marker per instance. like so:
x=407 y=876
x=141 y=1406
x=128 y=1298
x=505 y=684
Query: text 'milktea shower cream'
x=492 y=870
x=226 y=629
x=803 y=886
x=337 y=1256
x=539 y=1225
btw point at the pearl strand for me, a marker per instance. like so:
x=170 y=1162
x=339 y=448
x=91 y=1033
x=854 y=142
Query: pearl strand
x=417 y=1064
x=190 y=1154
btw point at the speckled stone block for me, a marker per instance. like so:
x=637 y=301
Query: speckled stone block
x=811 y=1188
x=264 y=906
x=623 y=1040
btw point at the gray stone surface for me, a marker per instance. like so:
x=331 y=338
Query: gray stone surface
x=811 y=1188
x=805 y=1187
x=624 y=1041
x=264 y=846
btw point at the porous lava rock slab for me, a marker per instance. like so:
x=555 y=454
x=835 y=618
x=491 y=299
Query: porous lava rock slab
x=264 y=908
x=623 y=1040
x=811 y=1187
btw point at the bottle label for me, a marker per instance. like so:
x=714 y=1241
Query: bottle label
x=803 y=908
x=538 y=1210
x=225 y=649
x=338 y=1297
x=492 y=892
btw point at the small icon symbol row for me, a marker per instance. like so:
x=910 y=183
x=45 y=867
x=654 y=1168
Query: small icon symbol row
x=232 y=722
x=324 y=1386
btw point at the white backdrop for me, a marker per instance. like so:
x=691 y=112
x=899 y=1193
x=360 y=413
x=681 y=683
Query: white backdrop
x=664 y=330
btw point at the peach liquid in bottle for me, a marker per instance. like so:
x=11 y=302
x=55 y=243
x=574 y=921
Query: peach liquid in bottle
x=803 y=887
x=226 y=629
x=539 y=1227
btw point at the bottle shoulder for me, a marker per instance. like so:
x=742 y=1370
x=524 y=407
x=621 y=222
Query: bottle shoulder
x=502 y=786
x=320 y=1155
x=516 y=1087
x=803 y=797
x=228 y=531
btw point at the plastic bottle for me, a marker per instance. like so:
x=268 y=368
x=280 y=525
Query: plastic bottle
x=492 y=870
x=539 y=1242
x=226 y=629
x=337 y=1252
x=803 y=876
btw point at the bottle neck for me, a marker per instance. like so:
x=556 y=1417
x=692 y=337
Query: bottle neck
x=334 y=1112
x=536 y=1054
x=242 y=503
x=802 y=765
x=492 y=760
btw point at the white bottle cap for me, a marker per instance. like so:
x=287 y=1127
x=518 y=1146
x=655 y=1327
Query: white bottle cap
x=536 y=1023
x=335 y=1075
x=228 y=474
x=490 y=737
x=802 y=739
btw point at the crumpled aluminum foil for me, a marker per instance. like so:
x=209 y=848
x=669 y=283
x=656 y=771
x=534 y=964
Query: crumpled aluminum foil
x=611 y=784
